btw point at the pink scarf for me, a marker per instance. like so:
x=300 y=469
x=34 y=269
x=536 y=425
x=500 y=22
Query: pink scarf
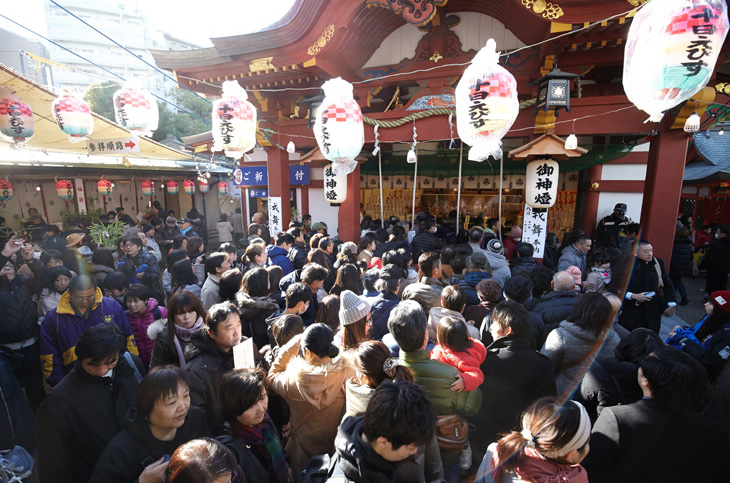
x=181 y=333
x=534 y=468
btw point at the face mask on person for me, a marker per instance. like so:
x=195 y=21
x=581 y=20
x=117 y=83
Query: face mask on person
x=518 y=239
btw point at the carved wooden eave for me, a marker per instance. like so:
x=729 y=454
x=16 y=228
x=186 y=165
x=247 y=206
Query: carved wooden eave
x=546 y=145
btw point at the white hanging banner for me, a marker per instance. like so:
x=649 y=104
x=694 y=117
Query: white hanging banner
x=534 y=229
x=275 y=221
x=80 y=195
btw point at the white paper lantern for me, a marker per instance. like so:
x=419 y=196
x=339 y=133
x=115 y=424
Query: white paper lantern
x=338 y=127
x=73 y=117
x=571 y=142
x=671 y=51
x=541 y=183
x=486 y=104
x=335 y=186
x=136 y=110
x=234 y=121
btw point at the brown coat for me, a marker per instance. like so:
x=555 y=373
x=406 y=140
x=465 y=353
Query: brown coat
x=308 y=387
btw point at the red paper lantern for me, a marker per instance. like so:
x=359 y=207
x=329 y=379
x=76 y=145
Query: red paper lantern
x=65 y=189
x=16 y=118
x=223 y=188
x=104 y=186
x=73 y=117
x=189 y=187
x=203 y=184
x=148 y=189
x=172 y=187
x=6 y=190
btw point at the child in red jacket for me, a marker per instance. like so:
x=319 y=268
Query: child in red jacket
x=143 y=311
x=458 y=350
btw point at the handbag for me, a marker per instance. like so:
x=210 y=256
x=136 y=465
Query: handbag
x=452 y=433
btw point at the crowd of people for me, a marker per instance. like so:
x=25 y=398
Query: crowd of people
x=418 y=354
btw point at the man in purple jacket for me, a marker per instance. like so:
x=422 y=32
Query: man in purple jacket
x=81 y=307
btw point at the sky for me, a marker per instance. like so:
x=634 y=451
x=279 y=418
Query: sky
x=193 y=20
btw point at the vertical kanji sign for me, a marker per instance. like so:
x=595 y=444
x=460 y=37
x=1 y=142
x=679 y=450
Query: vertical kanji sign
x=541 y=183
x=534 y=229
x=275 y=221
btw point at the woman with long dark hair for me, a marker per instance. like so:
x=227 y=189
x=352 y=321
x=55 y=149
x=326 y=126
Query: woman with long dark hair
x=255 y=306
x=185 y=317
x=182 y=277
x=348 y=278
x=585 y=335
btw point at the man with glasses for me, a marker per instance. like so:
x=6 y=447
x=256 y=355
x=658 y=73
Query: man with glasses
x=80 y=307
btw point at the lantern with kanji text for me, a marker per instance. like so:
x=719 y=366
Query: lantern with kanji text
x=203 y=185
x=65 y=189
x=73 y=117
x=136 y=110
x=486 y=104
x=148 y=188
x=6 y=190
x=671 y=52
x=172 y=187
x=222 y=188
x=338 y=127
x=234 y=121
x=541 y=182
x=335 y=186
x=189 y=187
x=16 y=118
x=104 y=186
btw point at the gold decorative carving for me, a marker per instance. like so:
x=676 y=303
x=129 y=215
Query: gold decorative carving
x=547 y=10
x=322 y=40
x=637 y=3
x=436 y=56
x=258 y=65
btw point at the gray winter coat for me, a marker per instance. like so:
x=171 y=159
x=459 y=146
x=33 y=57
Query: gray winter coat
x=567 y=347
x=572 y=257
x=498 y=267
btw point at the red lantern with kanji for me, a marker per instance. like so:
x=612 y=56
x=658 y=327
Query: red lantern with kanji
x=16 y=118
x=234 y=121
x=203 y=184
x=223 y=188
x=172 y=187
x=104 y=186
x=136 y=109
x=73 y=117
x=65 y=189
x=6 y=190
x=148 y=189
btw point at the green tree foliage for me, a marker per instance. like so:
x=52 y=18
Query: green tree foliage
x=172 y=121
x=99 y=97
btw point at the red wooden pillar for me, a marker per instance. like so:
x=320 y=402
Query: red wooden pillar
x=663 y=188
x=277 y=162
x=348 y=218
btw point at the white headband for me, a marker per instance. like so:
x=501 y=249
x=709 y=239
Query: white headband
x=580 y=438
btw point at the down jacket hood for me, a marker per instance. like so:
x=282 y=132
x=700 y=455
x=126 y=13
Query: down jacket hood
x=356 y=459
x=157 y=328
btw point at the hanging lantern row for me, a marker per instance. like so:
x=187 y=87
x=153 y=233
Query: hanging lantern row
x=6 y=190
x=65 y=189
x=16 y=118
x=104 y=186
x=234 y=121
x=338 y=127
x=136 y=109
x=671 y=52
x=189 y=187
